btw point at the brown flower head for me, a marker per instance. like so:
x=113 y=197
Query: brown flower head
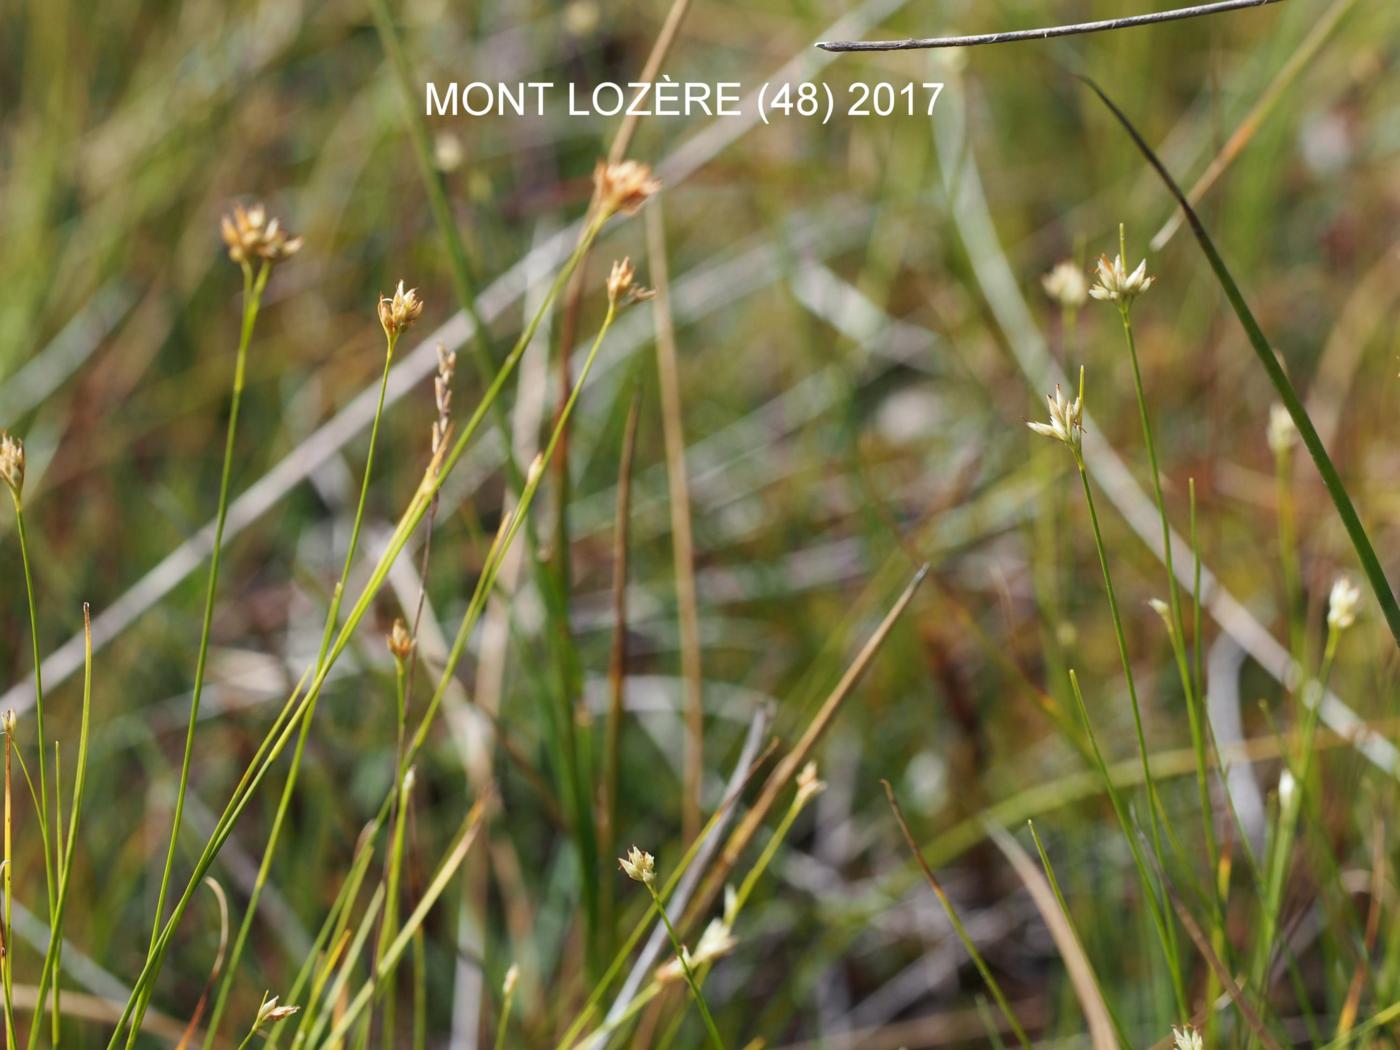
x=624 y=187
x=400 y=642
x=621 y=289
x=250 y=235
x=402 y=310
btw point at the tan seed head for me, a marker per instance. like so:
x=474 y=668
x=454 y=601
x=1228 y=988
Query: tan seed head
x=400 y=311
x=250 y=235
x=400 y=641
x=624 y=187
x=12 y=462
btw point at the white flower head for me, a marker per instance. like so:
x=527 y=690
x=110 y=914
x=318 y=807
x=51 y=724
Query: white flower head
x=1116 y=284
x=12 y=462
x=1066 y=418
x=808 y=785
x=716 y=942
x=1066 y=285
x=639 y=865
x=1342 y=603
x=1283 y=432
x=1162 y=609
x=270 y=1013
x=512 y=978
x=1186 y=1038
x=1287 y=788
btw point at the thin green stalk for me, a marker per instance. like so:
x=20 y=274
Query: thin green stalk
x=1288 y=553
x=388 y=922
x=420 y=992
x=1154 y=803
x=44 y=823
x=446 y=869
x=309 y=1034
x=7 y=961
x=1120 y=636
x=49 y=971
x=683 y=959
x=1299 y=769
x=289 y=787
x=503 y=1025
x=1177 y=624
x=252 y=298
x=1160 y=921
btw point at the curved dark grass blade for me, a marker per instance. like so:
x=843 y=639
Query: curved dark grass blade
x=1370 y=564
x=1045 y=32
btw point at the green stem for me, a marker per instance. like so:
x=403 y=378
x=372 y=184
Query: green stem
x=38 y=699
x=252 y=297
x=52 y=955
x=1178 y=623
x=289 y=788
x=1166 y=927
x=503 y=1025
x=679 y=949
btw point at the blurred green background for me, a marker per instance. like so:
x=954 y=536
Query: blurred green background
x=854 y=389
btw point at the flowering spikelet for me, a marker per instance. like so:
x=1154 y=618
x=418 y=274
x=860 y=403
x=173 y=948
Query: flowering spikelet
x=1283 y=432
x=400 y=642
x=12 y=462
x=442 y=395
x=8 y=723
x=623 y=187
x=716 y=942
x=1342 y=603
x=512 y=978
x=639 y=866
x=1186 y=1038
x=1065 y=284
x=270 y=1013
x=621 y=289
x=1162 y=609
x=250 y=235
x=1116 y=284
x=1066 y=419
x=808 y=786
x=397 y=313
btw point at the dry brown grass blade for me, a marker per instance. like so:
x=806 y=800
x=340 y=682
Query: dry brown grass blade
x=682 y=539
x=1347 y=1018
x=86 y=1007
x=617 y=656
x=192 y=1034
x=573 y=294
x=1298 y=61
x=1081 y=973
x=793 y=761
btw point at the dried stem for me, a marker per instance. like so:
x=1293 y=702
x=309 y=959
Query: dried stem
x=1046 y=32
